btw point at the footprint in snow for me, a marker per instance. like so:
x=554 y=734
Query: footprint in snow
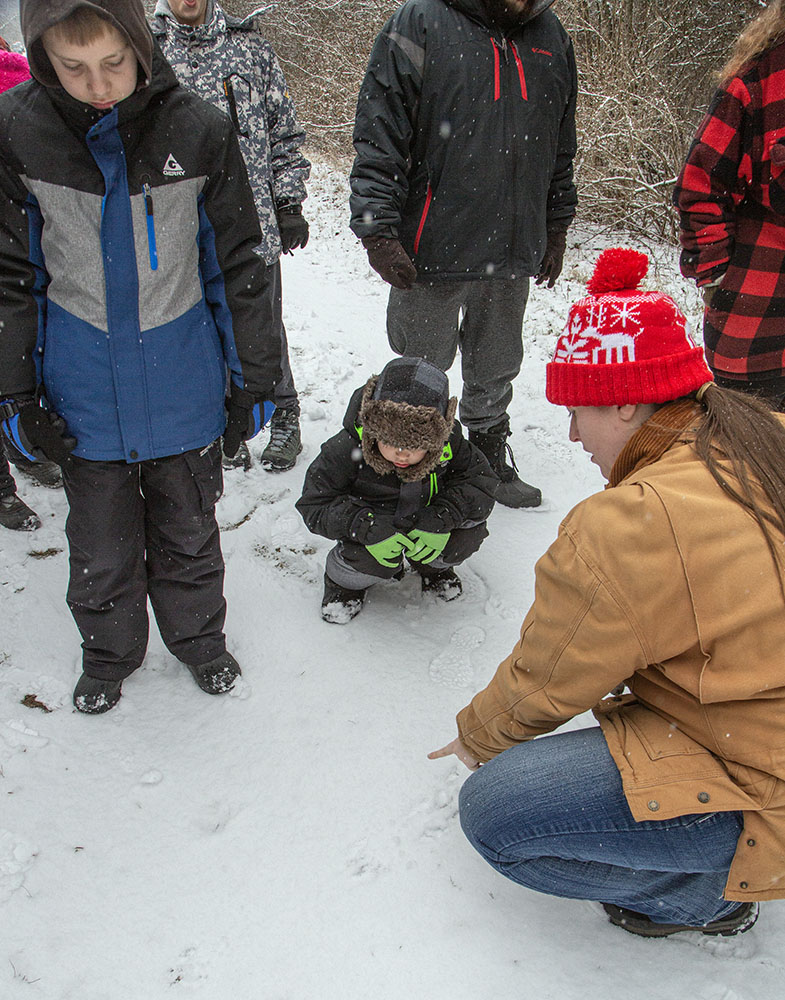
x=189 y=968
x=453 y=666
x=16 y=857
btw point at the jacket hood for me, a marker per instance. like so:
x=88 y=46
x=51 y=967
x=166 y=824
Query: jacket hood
x=487 y=11
x=127 y=16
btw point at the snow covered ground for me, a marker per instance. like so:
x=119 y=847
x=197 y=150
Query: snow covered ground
x=291 y=841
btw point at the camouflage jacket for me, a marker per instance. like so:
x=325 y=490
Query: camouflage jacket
x=227 y=62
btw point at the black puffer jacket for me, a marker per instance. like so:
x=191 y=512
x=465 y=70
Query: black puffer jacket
x=465 y=138
x=339 y=485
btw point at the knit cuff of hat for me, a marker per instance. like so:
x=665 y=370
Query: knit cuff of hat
x=403 y=426
x=655 y=380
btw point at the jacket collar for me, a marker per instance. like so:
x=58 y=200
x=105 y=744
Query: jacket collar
x=673 y=422
x=478 y=11
x=214 y=23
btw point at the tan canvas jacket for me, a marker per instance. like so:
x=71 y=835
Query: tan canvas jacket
x=666 y=583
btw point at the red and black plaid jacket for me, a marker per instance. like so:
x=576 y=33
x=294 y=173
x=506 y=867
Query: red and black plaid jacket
x=731 y=201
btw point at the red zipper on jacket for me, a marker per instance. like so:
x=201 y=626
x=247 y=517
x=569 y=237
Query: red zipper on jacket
x=424 y=216
x=521 y=75
x=497 y=86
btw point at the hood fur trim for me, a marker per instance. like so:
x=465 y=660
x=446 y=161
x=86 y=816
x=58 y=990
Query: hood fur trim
x=405 y=426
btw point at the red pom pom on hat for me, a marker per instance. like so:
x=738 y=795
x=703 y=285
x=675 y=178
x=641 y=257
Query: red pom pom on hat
x=618 y=269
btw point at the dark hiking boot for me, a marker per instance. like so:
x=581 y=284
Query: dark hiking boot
x=737 y=922
x=512 y=491
x=242 y=460
x=16 y=515
x=444 y=584
x=94 y=696
x=218 y=675
x=284 y=445
x=340 y=605
x=44 y=473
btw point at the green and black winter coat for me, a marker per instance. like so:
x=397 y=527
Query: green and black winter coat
x=341 y=486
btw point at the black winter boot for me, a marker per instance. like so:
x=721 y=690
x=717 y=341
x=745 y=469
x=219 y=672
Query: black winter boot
x=44 y=473
x=444 y=584
x=94 y=696
x=737 y=922
x=16 y=515
x=218 y=675
x=340 y=605
x=512 y=491
x=284 y=445
x=242 y=460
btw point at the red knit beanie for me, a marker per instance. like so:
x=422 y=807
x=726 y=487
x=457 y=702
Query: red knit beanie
x=622 y=345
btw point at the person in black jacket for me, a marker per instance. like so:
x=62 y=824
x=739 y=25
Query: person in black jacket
x=462 y=190
x=399 y=481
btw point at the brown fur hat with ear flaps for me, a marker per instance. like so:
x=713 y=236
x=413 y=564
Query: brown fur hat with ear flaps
x=407 y=406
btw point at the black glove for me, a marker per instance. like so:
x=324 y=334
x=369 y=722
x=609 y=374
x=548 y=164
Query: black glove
x=292 y=227
x=368 y=528
x=246 y=415
x=389 y=259
x=551 y=265
x=40 y=435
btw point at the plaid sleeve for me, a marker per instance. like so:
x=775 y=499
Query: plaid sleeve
x=712 y=184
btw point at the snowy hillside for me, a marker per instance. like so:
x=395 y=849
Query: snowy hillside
x=291 y=841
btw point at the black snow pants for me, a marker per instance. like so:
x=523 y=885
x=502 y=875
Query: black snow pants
x=139 y=531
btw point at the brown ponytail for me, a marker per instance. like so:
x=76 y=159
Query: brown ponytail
x=741 y=440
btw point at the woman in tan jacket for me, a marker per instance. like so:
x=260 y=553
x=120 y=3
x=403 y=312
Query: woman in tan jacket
x=669 y=583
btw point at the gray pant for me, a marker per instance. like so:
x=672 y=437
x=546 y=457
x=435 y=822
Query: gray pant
x=484 y=318
x=285 y=393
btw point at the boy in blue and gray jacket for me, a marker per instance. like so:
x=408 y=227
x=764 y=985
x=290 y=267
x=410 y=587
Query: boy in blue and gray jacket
x=129 y=288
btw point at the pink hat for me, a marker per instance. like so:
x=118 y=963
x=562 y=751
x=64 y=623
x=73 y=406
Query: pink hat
x=13 y=70
x=622 y=345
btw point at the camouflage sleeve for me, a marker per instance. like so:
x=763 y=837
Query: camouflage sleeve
x=289 y=166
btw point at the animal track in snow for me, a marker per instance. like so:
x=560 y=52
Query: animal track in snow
x=16 y=857
x=17 y=735
x=189 y=968
x=453 y=666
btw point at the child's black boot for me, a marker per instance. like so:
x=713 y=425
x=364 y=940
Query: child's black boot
x=340 y=605
x=442 y=583
x=216 y=676
x=16 y=515
x=93 y=696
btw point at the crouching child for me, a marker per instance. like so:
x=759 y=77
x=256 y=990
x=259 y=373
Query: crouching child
x=399 y=482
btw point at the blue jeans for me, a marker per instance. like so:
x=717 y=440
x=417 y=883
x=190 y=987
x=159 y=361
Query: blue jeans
x=551 y=814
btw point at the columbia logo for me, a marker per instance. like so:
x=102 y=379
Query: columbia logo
x=172 y=168
x=542 y=52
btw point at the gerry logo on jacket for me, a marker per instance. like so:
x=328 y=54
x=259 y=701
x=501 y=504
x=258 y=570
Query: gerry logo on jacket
x=172 y=168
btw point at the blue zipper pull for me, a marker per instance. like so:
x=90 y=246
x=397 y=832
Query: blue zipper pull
x=148 y=204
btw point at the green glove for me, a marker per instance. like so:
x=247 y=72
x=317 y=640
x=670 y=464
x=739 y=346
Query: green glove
x=388 y=551
x=427 y=545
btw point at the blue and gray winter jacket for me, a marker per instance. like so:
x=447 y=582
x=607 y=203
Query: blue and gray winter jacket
x=129 y=282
